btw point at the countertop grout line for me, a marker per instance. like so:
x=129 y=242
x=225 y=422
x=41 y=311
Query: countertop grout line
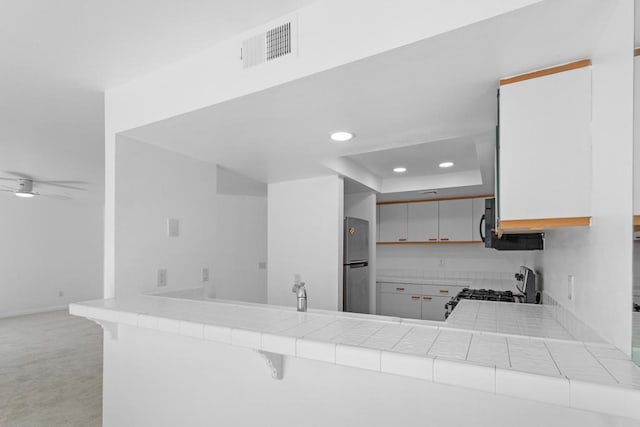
x=433 y=343
x=506 y=342
x=401 y=338
x=603 y=366
x=554 y=360
x=466 y=356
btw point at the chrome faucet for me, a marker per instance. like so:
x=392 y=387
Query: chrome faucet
x=301 y=295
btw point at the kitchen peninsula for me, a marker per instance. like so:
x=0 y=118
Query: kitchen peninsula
x=173 y=361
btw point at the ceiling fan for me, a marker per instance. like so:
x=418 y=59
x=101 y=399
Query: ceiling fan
x=24 y=186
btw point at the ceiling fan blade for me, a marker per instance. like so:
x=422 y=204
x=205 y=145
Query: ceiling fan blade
x=58 y=181
x=9 y=179
x=19 y=174
x=54 y=196
x=55 y=184
x=8 y=191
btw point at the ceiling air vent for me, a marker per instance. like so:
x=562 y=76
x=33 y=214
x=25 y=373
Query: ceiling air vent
x=269 y=45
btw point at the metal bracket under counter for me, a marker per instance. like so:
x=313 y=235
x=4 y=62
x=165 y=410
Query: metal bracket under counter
x=111 y=328
x=274 y=363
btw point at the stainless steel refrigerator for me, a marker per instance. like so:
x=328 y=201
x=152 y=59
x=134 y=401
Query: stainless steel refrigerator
x=356 y=265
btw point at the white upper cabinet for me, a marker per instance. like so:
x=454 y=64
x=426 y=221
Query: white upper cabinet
x=478 y=211
x=455 y=220
x=422 y=222
x=378 y=223
x=393 y=222
x=636 y=136
x=544 y=168
x=437 y=221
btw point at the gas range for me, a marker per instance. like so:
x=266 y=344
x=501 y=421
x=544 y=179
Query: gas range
x=482 y=295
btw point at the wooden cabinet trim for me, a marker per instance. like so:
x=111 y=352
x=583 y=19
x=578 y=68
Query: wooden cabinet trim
x=394 y=202
x=542 y=224
x=546 y=72
x=636 y=51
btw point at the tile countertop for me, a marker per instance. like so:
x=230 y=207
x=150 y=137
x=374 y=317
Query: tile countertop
x=531 y=320
x=561 y=372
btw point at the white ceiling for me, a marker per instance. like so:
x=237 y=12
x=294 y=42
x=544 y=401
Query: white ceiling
x=443 y=88
x=421 y=159
x=59 y=56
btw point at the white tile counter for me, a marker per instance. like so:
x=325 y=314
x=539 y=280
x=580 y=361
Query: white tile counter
x=533 y=320
x=587 y=376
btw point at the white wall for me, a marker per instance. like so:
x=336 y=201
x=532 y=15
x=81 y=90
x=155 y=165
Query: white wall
x=153 y=185
x=240 y=271
x=49 y=246
x=305 y=221
x=214 y=384
x=215 y=75
x=600 y=257
x=363 y=205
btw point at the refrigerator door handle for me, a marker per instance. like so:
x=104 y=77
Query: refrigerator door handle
x=359 y=264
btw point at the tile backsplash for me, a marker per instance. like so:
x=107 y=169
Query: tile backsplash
x=444 y=274
x=575 y=326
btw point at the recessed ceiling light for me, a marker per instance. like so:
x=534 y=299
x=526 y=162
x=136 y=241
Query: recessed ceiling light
x=400 y=169
x=446 y=164
x=341 y=136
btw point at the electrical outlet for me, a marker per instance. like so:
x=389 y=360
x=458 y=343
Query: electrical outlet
x=442 y=262
x=262 y=265
x=162 y=277
x=571 y=281
x=173 y=227
x=60 y=293
x=205 y=274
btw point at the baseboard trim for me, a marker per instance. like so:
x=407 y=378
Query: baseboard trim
x=33 y=311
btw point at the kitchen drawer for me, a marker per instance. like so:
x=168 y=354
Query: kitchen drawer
x=400 y=288
x=399 y=305
x=441 y=290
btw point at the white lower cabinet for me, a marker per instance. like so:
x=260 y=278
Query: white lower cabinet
x=433 y=307
x=414 y=301
x=401 y=305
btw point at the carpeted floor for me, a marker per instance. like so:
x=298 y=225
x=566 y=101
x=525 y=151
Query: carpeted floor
x=50 y=371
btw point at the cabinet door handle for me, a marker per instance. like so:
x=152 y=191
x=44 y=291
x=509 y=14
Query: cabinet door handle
x=444 y=238
x=432 y=239
x=427 y=297
x=415 y=297
x=402 y=239
x=399 y=289
x=442 y=291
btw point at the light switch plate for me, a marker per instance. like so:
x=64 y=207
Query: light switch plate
x=205 y=274
x=173 y=227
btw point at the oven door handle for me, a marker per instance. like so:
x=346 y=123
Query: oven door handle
x=482 y=221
